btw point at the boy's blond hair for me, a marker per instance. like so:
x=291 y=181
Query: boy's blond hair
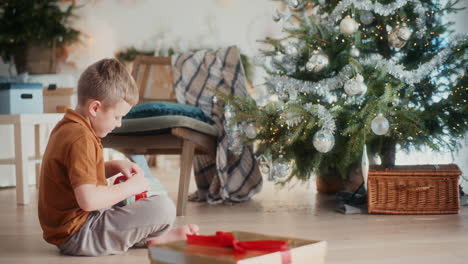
x=109 y=82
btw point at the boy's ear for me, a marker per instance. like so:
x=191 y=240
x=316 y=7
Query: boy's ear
x=93 y=107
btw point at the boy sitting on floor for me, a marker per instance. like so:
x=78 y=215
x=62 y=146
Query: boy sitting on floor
x=77 y=209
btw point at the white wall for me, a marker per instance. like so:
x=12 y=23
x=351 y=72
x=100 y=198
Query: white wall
x=180 y=24
x=108 y=26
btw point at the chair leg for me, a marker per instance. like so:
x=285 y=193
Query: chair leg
x=186 y=159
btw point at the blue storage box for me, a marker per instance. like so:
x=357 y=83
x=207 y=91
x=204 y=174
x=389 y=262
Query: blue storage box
x=21 y=98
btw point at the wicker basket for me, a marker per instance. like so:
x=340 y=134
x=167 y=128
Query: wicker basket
x=418 y=189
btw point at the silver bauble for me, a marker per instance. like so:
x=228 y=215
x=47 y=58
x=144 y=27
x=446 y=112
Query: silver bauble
x=235 y=139
x=399 y=36
x=295 y=4
x=317 y=62
x=250 y=131
x=291 y=49
x=276 y=16
x=354 y=52
x=281 y=167
x=264 y=165
x=380 y=125
x=355 y=86
x=366 y=17
x=214 y=99
x=348 y=25
x=362 y=86
x=229 y=112
x=264 y=169
x=323 y=141
x=365 y=165
x=404 y=32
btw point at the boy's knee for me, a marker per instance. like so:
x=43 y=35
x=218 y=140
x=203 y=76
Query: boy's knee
x=163 y=208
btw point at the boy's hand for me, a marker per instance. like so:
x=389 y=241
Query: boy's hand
x=138 y=183
x=127 y=168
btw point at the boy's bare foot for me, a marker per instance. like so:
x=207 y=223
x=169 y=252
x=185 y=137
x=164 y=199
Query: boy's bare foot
x=174 y=235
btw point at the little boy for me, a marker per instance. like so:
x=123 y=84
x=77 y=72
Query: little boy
x=77 y=209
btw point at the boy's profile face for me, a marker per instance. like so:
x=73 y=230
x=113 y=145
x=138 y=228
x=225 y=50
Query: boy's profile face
x=108 y=118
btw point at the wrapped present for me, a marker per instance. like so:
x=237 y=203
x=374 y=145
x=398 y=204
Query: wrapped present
x=239 y=247
x=155 y=188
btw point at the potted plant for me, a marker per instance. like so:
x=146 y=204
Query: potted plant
x=34 y=33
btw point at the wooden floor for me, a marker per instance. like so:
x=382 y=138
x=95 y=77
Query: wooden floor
x=296 y=212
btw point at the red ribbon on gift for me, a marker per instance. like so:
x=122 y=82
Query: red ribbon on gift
x=227 y=239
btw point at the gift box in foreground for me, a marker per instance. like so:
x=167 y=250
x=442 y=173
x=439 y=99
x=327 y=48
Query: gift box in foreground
x=247 y=249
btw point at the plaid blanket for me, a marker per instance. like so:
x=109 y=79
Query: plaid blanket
x=228 y=178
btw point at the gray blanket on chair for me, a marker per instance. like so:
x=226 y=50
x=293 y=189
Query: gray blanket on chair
x=228 y=178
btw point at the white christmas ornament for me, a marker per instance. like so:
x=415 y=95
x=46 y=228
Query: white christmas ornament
x=365 y=166
x=317 y=62
x=354 y=51
x=214 y=99
x=355 y=86
x=291 y=49
x=295 y=4
x=276 y=16
x=380 y=125
x=250 y=131
x=348 y=25
x=235 y=141
x=366 y=17
x=229 y=112
x=404 y=32
x=264 y=165
x=281 y=167
x=323 y=141
x=399 y=36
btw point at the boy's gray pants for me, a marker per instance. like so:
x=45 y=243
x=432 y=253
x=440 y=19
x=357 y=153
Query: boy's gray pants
x=115 y=230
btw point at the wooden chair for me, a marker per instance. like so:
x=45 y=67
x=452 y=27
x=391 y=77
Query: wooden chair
x=153 y=76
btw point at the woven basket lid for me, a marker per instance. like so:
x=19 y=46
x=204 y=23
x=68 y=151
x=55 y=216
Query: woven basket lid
x=416 y=170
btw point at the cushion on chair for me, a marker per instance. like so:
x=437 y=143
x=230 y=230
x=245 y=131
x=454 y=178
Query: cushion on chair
x=153 y=109
x=159 y=124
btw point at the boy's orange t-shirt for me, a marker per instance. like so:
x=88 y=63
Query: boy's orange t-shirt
x=73 y=157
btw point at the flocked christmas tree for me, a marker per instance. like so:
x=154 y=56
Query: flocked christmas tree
x=350 y=74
